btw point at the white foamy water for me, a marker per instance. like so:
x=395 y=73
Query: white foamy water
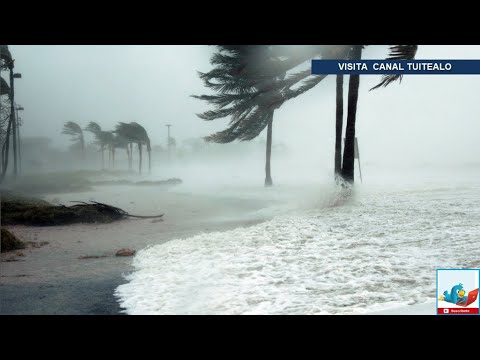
x=376 y=250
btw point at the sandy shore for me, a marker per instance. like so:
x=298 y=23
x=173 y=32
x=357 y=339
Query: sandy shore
x=52 y=279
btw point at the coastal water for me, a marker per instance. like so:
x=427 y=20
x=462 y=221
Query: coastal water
x=322 y=252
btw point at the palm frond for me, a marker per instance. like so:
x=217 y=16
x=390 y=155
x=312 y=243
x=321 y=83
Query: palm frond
x=397 y=52
x=72 y=128
x=93 y=127
x=306 y=85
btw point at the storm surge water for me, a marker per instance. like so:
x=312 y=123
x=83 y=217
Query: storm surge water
x=376 y=249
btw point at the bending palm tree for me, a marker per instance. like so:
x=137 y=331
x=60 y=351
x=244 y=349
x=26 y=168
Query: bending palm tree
x=141 y=136
x=124 y=131
x=120 y=142
x=108 y=138
x=248 y=79
x=75 y=131
x=134 y=133
x=101 y=138
x=397 y=52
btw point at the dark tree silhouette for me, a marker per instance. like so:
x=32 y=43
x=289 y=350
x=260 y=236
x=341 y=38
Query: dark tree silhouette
x=124 y=131
x=339 y=127
x=102 y=138
x=296 y=55
x=120 y=142
x=7 y=62
x=248 y=82
x=251 y=82
x=134 y=133
x=397 y=52
x=349 y=150
x=75 y=131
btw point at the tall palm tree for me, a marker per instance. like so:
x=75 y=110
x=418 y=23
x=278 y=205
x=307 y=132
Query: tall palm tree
x=295 y=57
x=246 y=79
x=4 y=121
x=339 y=127
x=397 y=52
x=249 y=105
x=75 y=131
x=7 y=62
x=349 y=150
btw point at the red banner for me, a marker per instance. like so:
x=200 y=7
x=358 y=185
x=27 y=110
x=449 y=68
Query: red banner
x=457 y=311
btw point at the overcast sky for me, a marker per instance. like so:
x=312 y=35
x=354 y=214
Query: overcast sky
x=425 y=118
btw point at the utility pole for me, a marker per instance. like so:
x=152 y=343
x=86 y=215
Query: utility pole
x=19 y=108
x=13 y=120
x=12 y=116
x=168 y=141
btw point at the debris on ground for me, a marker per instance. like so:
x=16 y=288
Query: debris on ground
x=31 y=211
x=125 y=252
x=10 y=242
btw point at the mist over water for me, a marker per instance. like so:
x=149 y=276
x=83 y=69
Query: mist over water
x=324 y=255
x=320 y=251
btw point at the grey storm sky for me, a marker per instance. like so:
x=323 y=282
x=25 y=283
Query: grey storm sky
x=425 y=118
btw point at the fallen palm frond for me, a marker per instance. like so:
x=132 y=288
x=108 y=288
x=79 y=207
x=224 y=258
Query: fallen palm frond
x=109 y=209
x=27 y=211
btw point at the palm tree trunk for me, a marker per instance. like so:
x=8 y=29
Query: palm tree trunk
x=128 y=157
x=5 y=150
x=349 y=150
x=103 y=157
x=268 y=175
x=113 y=157
x=150 y=161
x=149 y=149
x=140 y=158
x=14 y=122
x=82 y=142
x=130 y=164
x=339 y=127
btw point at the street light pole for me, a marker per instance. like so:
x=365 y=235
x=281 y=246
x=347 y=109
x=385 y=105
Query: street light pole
x=13 y=120
x=12 y=116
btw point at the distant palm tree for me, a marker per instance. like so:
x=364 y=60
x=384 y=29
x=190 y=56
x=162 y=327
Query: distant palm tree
x=102 y=138
x=124 y=131
x=134 y=133
x=75 y=131
x=140 y=134
x=108 y=138
x=120 y=142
